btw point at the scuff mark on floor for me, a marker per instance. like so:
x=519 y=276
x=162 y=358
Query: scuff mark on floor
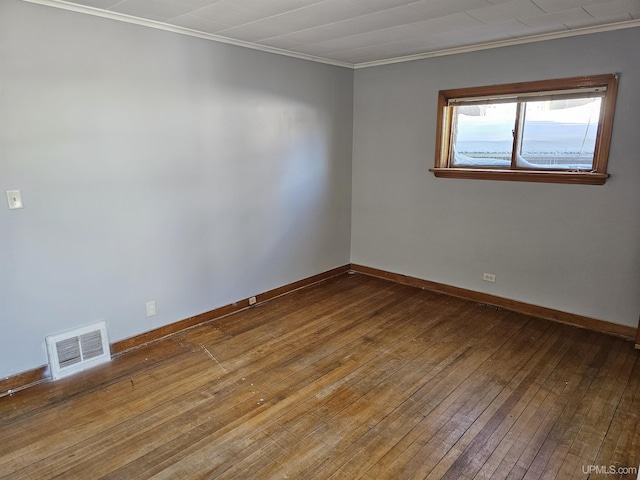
x=213 y=358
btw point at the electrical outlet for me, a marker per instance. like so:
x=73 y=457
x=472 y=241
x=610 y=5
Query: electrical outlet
x=489 y=277
x=252 y=300
x=151 y=308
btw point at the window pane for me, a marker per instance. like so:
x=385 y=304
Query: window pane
x=483 y=135
x=560 y=134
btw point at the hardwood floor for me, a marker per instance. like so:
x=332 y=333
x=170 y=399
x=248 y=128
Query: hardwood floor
x=354 y=377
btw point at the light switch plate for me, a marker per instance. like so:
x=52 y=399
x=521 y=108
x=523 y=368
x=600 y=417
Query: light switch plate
x=14 y=198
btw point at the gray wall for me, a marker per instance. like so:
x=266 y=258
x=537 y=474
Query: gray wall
x=568 y=247
x=155 y=166
x=161 y=167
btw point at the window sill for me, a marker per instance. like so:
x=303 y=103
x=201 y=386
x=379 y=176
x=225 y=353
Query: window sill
x=577 y=178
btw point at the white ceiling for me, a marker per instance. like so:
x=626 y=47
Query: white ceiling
x=367 y=32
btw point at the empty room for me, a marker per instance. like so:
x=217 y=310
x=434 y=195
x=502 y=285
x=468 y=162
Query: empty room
x=320 y=239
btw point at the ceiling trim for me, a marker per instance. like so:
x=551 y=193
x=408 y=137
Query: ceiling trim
x=503 y=43
x=122 y=17
x=254 y=46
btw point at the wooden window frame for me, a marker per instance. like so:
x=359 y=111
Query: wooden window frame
x=597 y=176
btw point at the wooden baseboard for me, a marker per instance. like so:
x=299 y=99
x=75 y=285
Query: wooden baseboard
x=41 y=374
x=127 y=344
x=23 y=380
x=573 y=319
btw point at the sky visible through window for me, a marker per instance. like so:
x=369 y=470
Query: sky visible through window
x=556 y=133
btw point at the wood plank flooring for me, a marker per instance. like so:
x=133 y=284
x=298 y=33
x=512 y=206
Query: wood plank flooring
x=351 y=378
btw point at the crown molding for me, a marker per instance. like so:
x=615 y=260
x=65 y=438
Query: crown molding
x=409 y=58
x=122 y=17
x=503 y=43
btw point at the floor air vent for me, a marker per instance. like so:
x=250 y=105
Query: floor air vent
x=79 y=349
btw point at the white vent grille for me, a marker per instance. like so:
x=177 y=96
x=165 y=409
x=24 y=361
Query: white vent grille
x=79 y=349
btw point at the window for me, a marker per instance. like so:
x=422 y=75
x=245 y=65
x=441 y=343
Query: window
x=555 y=131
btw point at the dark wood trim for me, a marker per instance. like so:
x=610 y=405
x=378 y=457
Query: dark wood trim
x=587 y=81
x=605 y=126
x=41 y=374
x=305 y=282
x=638 y=336
x=122 y=346
x=508 y=304
x=130 y=343
x=597 y=176
x=443 y=132
x=544 y=176
x=22 y=380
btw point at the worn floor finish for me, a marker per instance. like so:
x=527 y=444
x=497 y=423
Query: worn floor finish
x=352 y=378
